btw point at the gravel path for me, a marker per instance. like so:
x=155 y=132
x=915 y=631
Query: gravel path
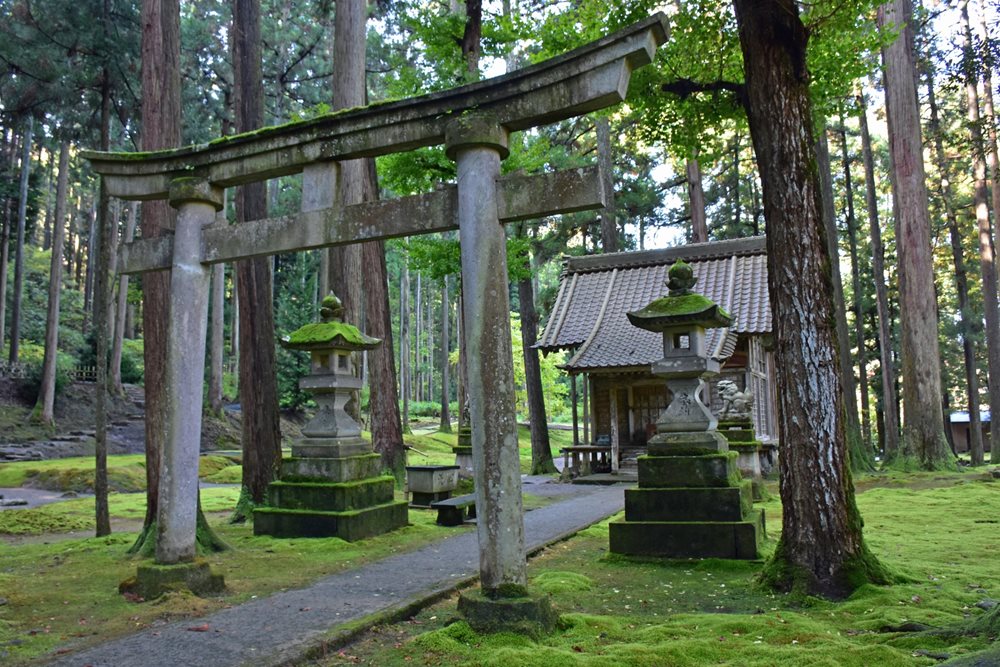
x=283 y=627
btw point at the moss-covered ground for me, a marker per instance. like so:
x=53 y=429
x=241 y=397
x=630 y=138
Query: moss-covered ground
x=58 y=590
x=935 y=530
x=59 y=587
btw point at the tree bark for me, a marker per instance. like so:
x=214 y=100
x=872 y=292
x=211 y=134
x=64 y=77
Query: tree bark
x=989 y=114
x=45 y=406
x=122 y=311
x=472 y=37
x=696 y=199
x=404 y=343
x=860 y=460
x=261 y=438
x=890 y=401
x=22 y=210
x=859 y=323
x=359 y=184
x=923 y=441
x=102 y=280
x=384 y=424
x=217 y=348
x=161 y=118
x=541 y=450
x=445 y=353
x=821 y=550
x=966 y=326
x=609 y=225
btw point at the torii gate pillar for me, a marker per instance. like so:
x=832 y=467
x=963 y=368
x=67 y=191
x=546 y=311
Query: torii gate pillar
x=197 y=202
x=477 y=142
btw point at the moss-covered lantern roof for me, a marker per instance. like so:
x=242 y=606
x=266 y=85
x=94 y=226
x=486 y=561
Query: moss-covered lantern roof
x=681 y=306
x=331 y=333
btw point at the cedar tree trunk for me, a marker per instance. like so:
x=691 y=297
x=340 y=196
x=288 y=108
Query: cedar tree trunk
x=923 y=441
x=821 y=550
x=890 y=401
x=258 y=375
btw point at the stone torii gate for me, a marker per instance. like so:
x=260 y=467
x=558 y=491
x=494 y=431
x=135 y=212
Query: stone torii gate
x=473 y=122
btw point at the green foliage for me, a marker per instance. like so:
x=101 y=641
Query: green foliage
x=295 y=281
x=554 y=385
x=32 y=356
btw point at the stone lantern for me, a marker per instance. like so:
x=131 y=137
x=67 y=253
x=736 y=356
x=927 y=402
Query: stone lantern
x=331 y=344
x=682 y=318
x=691 y=501
x=332 y=486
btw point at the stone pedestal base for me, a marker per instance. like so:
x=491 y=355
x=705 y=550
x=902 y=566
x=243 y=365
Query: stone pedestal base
x=422 y=500
x=689 y=539
x=340 y=495
x=689 y=506
x=350 y=526
x=753 y=455
x=463 y=459
x=528 y=615
x=153 y=580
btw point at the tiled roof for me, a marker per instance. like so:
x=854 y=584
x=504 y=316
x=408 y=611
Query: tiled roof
x=596 y=292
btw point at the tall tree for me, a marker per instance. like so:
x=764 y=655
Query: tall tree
x=696 y=199
x=609 y=225
x=261 y=433
x=541 y=450
x=445 y=356
x=359 y=184
x=923 y=440
x=161 y=128
x=859 y=328
x=852 y=426
x=45 y=406
x=22 y=211
x=989 y=113
x=987 y=240
x=966 y=323
x=890 y=411
x=821 y=549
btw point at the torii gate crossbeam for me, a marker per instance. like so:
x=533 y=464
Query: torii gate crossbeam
x=473 y=122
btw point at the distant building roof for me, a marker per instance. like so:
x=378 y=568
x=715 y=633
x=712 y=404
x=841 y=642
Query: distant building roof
x=596 y=292
x=963 y=417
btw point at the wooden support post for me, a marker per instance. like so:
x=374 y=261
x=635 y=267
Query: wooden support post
x=614 y=429
x=576 y=421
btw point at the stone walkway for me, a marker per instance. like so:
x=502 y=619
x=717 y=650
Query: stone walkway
x=282 y=628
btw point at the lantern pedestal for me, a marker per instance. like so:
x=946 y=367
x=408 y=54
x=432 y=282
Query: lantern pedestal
x=332 y=486
x=691 y=501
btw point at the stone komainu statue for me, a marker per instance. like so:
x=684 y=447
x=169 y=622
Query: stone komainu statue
x=736 y=404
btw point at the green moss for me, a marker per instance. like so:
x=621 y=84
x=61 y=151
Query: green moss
x=562 y=582
x=677 y=306
x=334 y=334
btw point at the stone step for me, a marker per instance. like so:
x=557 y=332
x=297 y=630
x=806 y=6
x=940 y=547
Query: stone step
x=331 y=497
x=689 y=471
x=705 y=504
x=331 y=470
x=349 y=526
x=689 y=539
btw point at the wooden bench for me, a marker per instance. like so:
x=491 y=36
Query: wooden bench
x=454 y=511
x=585 y=459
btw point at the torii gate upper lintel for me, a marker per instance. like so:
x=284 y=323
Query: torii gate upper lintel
x=473 y=122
